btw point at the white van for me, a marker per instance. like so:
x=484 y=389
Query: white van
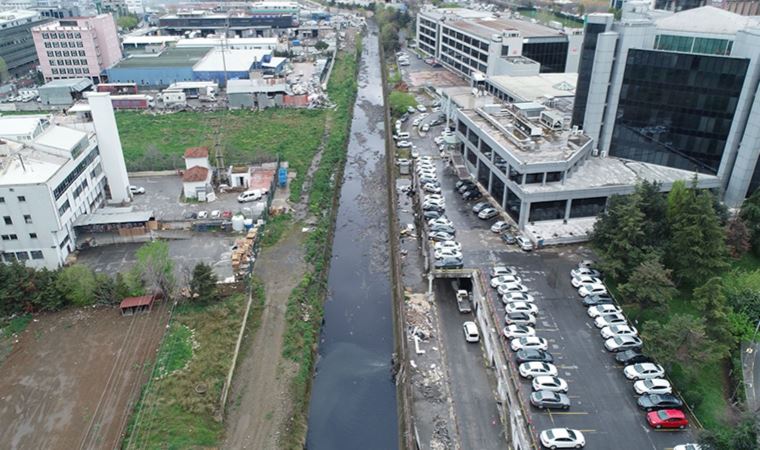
x=249 y=196
x=404 y=135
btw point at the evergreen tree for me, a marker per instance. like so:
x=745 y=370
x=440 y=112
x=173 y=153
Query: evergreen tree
x=649 y=285
x=750 y=213
x=203 y=284
x=737 y=237
x=713 y=306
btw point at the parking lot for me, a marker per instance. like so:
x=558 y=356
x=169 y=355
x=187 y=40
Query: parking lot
x=603 y=403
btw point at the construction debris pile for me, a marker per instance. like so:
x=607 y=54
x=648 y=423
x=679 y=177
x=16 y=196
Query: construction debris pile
x=243 y=253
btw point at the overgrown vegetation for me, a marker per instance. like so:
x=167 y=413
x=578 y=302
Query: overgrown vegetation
x=275 y=228
x=400 y=101
x=391 y=21
x=157 y=142
x=669 y=260
x=304 y=309
x=178 y=405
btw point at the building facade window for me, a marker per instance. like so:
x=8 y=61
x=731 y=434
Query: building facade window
x=587 y=207
x=32 y=235
x=8 y=220
x=552 y=210
x=551 y=55
x=27 y=218
x=21 y=198
x=37 y=254
x=585 y=67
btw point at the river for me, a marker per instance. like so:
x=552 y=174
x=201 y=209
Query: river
x=353 y=400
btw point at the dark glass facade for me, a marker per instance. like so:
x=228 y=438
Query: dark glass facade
x=676 y=109
x=587 y=207
x=678 y=5
x=553 y=210
x=585 y=68
x=551 y=55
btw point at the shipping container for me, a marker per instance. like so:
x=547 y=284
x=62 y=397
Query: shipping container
x=132 y=101
x=118 y=88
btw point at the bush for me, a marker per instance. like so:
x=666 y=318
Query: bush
x=400 y=101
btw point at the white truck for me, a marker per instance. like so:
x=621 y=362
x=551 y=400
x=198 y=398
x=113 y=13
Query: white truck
x=463 y=301
x=173 y=98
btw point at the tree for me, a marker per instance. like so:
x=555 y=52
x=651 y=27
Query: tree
x=697 y=249
x=77 y=285
x=127 y=22
x=321 y=45
x=711 y=302
x=750 y=214
x=654 y=205
x=737 y=237
x=154 y=268
x=203 y=284
x=649 y=285
x=400 y=101
x=742 y=436
x=682 y=340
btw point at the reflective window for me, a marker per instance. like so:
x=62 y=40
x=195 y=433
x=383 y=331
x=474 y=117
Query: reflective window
x=553 y=210
x=515 y=176
x=512 y=205
x=587 y=207
x=483 y=174
x=472 y=157
x=551 y=55
x=533 y=178
x=553 y=177
x=676 y=109
x=585 y=67
x=497 y=189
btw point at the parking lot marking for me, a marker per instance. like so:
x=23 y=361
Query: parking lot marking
x=568 y=413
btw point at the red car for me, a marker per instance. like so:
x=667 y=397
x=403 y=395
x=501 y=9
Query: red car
x=227 y=215
x=667 y=418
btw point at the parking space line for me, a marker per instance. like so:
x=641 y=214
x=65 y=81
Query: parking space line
x=569 y=413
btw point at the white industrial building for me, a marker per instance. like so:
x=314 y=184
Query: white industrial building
x=52 y=172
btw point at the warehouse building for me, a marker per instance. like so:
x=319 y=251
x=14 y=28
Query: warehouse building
x=64 y=93
x=162 y=69
x=228 y=64
x=241 y=24
x=257 y=93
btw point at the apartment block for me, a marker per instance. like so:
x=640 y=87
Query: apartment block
x=16 y=43
x=476 y=43
x=77 y=47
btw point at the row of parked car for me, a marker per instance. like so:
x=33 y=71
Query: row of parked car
x=534 y=360
x=655 y=392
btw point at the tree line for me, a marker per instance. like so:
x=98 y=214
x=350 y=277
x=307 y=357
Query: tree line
x=655 y=248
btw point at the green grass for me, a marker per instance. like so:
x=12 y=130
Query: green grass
x=14 y=326
x=275 y=228
x=157 y=142
x=171 y=413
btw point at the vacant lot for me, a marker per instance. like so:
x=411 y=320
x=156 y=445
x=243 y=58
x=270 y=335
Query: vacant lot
x=70 y=379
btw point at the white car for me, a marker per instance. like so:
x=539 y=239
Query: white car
x=215 y=214
x=524 y=244
x=584 y=280
x=643 y=371
x=403 y=144
x=517 y=297
x=547 y=383
x=403 y=135
x=528 y=342
x=443 y=220
x=511 y=287
x=518 y=331
x=433 y=200
x=448 y=253
x=618 y=330
x=421 y=108
x=495 y=282
x=620 y=343
x=529 y=308
x=592 y=289
x=488 y=213
x=497 y=271
x=249 y=196
x=136 y=190
x=687 y=447
x=438 y=140
x=471 y=333
x=448 y=244
x=562 y=438
x=653 y=386
x=605 y=320
x=499 y=226
x=598 y=310
x=432 y=188
x=425 y=127
x=534 y=369
x=202 y=214
x=580 y=271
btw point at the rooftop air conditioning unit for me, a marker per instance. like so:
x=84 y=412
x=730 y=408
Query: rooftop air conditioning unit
x=496 y=37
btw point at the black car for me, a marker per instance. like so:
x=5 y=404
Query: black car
x=532 y=354
x=404 y=117
x=629 y=357
x=190 y=215
x=433 y=207
x=472 y=195
x=466 y=187
x=508 y=238
x=461 y=183
x=654 y=402
x=448 y=263
x=549 y=400
x=598 y=299
x=432 y=214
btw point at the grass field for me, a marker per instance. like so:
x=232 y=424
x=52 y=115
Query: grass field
x=157 y=142
x=178 y=406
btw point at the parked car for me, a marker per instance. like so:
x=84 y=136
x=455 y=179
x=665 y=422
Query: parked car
x=227 y=215
x=202 y=214
x=618 y=330
x=448 y=245
x=511 y=287
x=478 y=207
x=653 y=386
x=508 y=238
x=425 y=127
x=580 y=271
x=606 y=320
x=421 y=108
x=434 y=188
x=524 y=243
x=667 y=418
x=596 y=300
x=621 y=343
x=432 y=214
x=518 y=331
x=521 y=307
x=629 y=357
x=445 y=228
x=497 y=271
x=427 y=206
x=136 y=190
x=249 y=196
x=517 y=297
x=562 y=438
x=190 y=215
x=472 y=195
x=549 y=383
x=471 y=333
x=533 y=342
x=496 y=281
x=215 y=214
x=500 y=226
x=461 y=183
x=536 y=369
x=403 y=136
x=410 y=110
x=467 y=187
x=654 y=402
x=488 y=213
x=688 y=447
x=586 y=264
x=532 y=354
x=448 y=263
x=447 y=253
x=584 y=280
x=519 y=318
x=643 y=371
x=549 y=400
x=596 y=311
x=592 y=289
x=440 y=236
x=403 y=144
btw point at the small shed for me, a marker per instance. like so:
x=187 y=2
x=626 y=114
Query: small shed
x=196 y=182
x=64 y=92
x=135 y=305
x=196 y=156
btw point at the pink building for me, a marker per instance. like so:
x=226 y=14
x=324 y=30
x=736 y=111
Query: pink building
x=77 y=47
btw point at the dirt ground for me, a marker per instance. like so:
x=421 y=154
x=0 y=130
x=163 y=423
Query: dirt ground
x=73 y=376
x=259 y=398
